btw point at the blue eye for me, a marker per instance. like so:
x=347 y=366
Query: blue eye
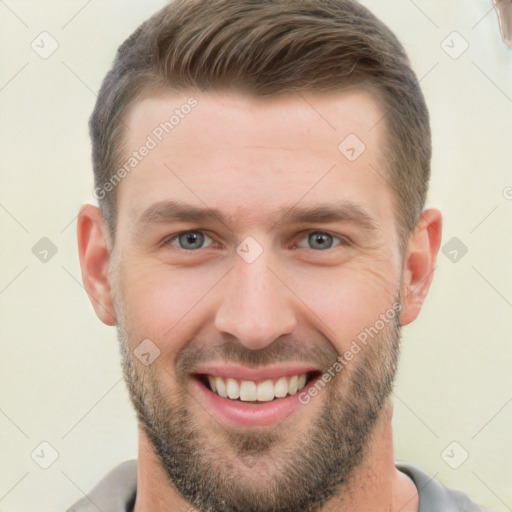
x=190 y=240
x=320 y=240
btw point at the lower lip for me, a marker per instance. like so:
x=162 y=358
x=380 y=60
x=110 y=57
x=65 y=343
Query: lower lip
x=250 y=414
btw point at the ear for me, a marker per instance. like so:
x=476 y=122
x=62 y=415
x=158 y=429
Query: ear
x=94 y=252
x=419 y=263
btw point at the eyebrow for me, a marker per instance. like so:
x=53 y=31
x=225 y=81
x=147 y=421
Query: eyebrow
x=176 y=211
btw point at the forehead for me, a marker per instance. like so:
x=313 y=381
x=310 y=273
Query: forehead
x=249 y=156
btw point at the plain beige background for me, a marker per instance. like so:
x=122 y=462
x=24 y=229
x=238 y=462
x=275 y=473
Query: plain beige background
x=59 y=372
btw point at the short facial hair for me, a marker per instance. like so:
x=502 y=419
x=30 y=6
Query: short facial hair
x=325 y=457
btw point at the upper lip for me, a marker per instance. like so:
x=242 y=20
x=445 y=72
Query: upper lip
x=255 y=374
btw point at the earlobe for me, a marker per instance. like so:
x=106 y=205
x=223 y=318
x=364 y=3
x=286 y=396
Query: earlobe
x=419 y=263
x=94 y=255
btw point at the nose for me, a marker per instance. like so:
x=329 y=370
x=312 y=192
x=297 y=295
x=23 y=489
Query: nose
x=256 y=306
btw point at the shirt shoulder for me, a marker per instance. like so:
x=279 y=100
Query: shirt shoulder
x=435 y=497
x=114 y=493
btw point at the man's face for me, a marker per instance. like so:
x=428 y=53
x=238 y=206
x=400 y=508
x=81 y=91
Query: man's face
x=291 y=253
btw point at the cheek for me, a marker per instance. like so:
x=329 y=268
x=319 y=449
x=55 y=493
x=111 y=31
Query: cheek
x=161 y=304
x=347 y=300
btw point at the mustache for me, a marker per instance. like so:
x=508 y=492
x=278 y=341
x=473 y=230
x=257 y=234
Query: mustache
x=286 y=350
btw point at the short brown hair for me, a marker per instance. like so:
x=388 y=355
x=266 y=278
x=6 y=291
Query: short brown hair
x=266 y=47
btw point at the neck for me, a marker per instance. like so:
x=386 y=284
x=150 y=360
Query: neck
x=377 y=485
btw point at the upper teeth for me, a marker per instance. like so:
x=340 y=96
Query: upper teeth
x=249 y=391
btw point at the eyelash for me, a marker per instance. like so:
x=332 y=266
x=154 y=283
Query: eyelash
x=344 y=241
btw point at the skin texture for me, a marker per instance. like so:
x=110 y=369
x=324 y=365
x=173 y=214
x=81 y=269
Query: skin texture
x=250 y=158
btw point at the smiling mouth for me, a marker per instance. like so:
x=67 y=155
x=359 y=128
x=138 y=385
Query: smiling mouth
x=250 y=391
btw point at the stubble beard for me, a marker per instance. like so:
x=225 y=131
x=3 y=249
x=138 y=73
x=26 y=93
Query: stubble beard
x=247 y=471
